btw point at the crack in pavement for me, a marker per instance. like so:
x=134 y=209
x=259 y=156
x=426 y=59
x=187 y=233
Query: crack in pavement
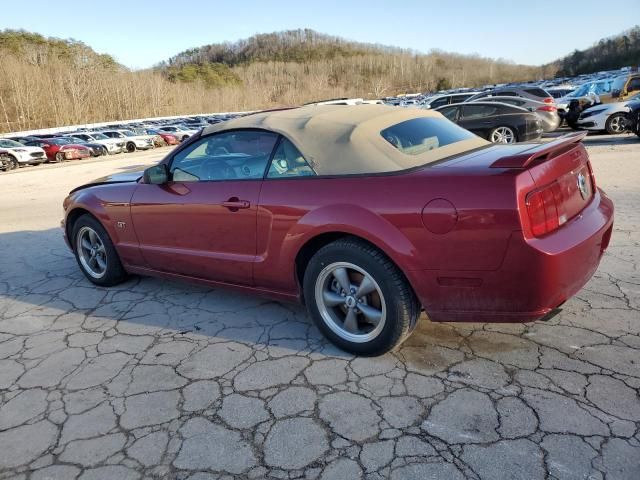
x=154 y=379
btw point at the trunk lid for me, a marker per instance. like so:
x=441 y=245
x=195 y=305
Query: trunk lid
x=563 y=182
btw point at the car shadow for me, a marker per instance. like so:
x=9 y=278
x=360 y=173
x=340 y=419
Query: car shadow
x=41 y=282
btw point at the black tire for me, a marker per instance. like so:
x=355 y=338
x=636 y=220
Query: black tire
x=573 y=125
x=59 y=157
x=611 y=125
x=13 y=163
x=131 y=147
x=402 y=306
x=114 y=273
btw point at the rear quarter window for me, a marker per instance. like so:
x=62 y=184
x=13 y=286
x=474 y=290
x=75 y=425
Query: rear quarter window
x=420 y=135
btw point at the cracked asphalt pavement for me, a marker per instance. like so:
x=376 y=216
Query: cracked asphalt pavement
x=162 y=380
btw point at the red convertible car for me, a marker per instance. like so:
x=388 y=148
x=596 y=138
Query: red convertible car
x=368 y=214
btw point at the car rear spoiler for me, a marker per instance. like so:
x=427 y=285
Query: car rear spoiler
x=540 y=152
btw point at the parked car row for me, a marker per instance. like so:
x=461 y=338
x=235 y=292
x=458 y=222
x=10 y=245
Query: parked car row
x=596 y=102
x=17 y=151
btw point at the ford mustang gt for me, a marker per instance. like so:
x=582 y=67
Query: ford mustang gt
x=367 y=214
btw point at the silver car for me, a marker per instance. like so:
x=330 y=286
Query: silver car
x=532 y=93
x=548 y=113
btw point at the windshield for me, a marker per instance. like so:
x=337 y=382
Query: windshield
x=593 y=87
x=9 y=144
x=618 y=83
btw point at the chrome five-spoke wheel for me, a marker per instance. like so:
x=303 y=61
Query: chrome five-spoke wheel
x=503 y=135
x=91 y=252
x=350 y=302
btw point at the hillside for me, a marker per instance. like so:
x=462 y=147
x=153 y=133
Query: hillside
x=607 y=54
x=310 y=65
x=46 y=82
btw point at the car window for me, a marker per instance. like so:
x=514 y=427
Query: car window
x=469 y=112
x=538 y=92
x=288 y=162
x=504 y=109
x=460 y=98
x=9 y=144
x=449 y=112
x=420 y=135
x=634 y=85
x=505 y=94
x=439 y=102
x=604 y=87
x=235 y=155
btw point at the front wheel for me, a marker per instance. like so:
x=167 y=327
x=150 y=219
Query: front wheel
x=131 y=147
x=358 y=298
x=503 y=135
x=13 y=164
x=615 y=124
x=95 y=253
x=59 y=157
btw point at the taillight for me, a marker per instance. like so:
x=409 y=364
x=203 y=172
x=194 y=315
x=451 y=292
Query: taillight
x=546 y=210
x=549 y=100
x=547 y=108
x=591 y=175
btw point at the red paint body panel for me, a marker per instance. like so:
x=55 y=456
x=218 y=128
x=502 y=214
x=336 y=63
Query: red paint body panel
x=71 y=151
x=482 y=265
x=183 y=228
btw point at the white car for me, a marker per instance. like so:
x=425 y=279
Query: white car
x=20 y=155
x=132 y=142
x=114 y=145
x=608 y=117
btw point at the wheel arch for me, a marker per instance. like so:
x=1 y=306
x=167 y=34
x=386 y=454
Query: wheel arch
x=72 y=218
x=316 y=242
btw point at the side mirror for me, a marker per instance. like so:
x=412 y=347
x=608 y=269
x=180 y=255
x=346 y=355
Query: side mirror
x=156 y=175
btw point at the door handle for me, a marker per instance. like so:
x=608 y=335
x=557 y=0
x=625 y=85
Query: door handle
x=234 y=204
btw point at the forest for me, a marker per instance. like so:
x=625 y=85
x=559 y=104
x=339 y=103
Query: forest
x=46 y=82
x=607 y=54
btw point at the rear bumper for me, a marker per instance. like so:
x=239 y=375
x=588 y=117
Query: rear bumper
x=536 y=276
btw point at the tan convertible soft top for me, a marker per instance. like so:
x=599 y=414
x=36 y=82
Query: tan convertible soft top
x=343 y=139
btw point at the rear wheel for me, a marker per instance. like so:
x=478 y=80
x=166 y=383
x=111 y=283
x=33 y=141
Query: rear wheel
x=615 y=124
x=503 y=135
x=95 y=253
x=358 y=298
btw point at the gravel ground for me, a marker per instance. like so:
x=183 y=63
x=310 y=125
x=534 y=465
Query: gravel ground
x=157 y=379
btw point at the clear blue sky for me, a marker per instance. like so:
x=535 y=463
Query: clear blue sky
x=140 y=33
